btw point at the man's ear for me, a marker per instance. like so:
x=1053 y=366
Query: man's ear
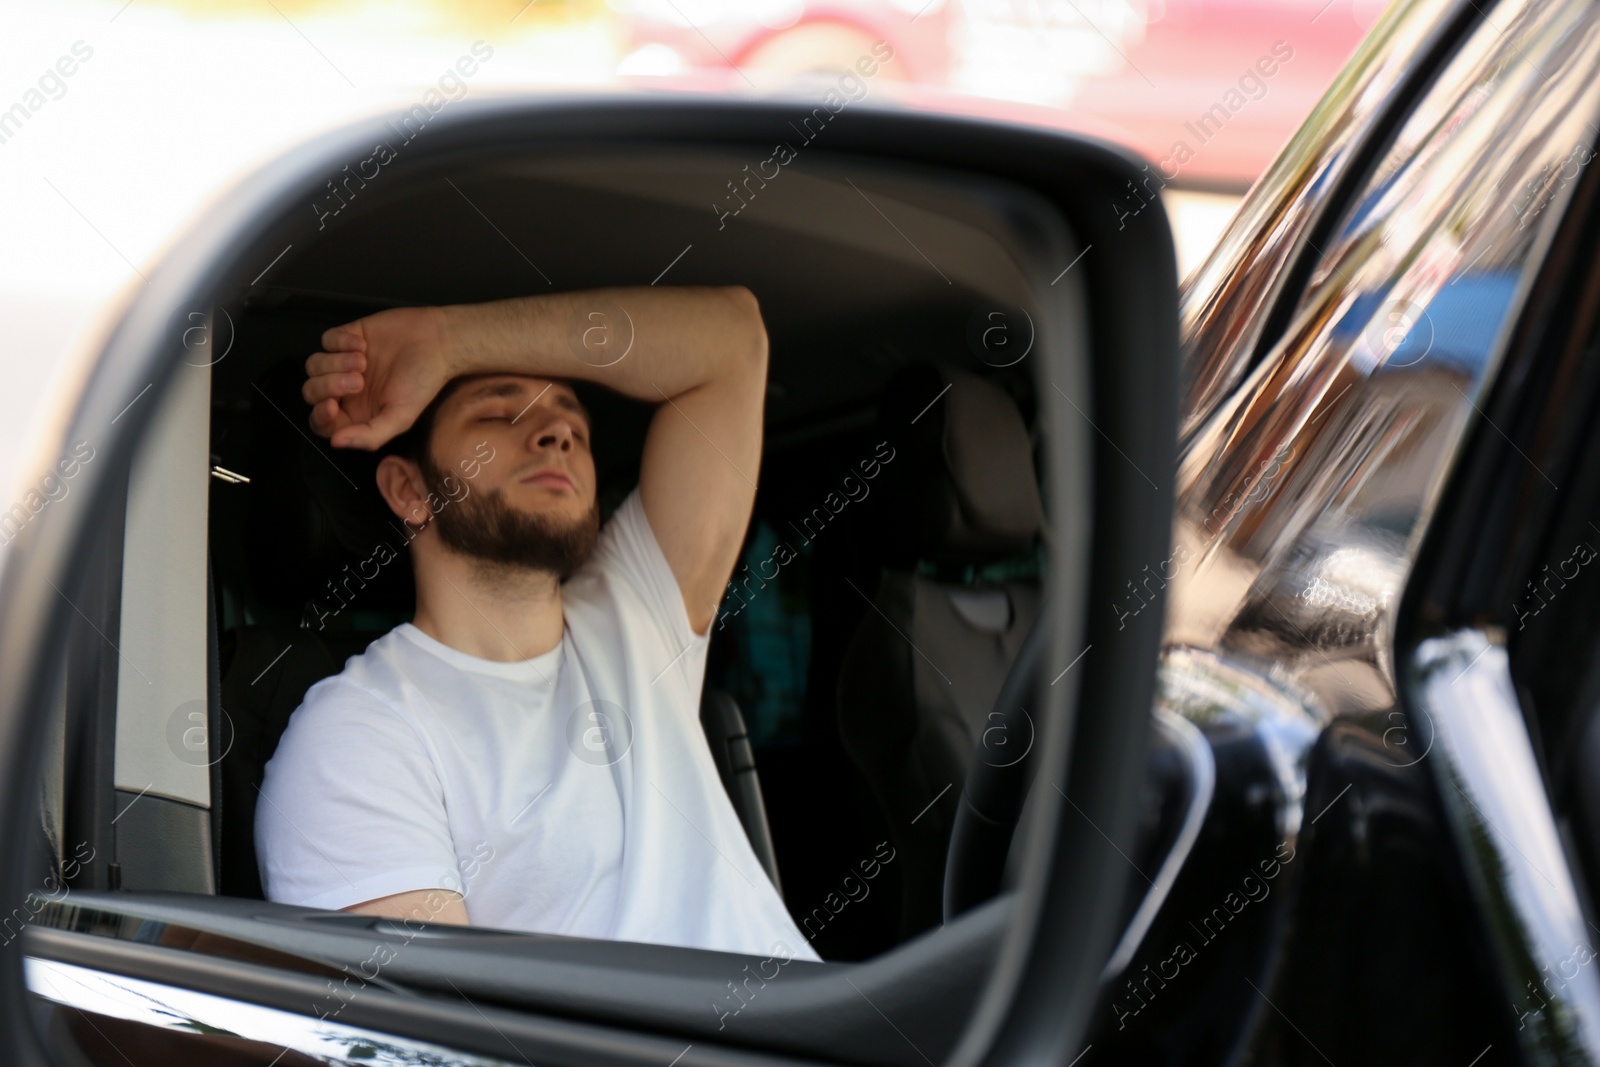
x=401 y=483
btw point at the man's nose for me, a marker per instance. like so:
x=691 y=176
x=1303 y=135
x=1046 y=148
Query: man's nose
x=557 y=433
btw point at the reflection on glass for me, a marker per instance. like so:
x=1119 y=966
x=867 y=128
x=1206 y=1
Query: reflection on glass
x=1303 y=495
x=1306 y=485
x=1225 y=301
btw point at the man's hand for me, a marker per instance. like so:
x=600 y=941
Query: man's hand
x=376 y=375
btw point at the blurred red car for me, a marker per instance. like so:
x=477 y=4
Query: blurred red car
x=1208 y=90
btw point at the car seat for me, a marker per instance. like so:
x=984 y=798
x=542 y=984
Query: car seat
x=925 y=665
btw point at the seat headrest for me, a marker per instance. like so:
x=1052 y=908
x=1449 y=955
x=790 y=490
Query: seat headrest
x=962 y=487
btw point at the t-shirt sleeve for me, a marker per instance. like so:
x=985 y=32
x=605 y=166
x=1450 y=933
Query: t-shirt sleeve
x=351 y=807
x=628 y=551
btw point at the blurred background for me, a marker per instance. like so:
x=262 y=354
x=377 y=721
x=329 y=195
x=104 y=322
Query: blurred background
x=169 y=100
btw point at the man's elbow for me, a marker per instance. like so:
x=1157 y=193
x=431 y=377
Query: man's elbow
x=752 y=346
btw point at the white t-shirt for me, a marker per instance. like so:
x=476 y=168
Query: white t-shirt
x=572 y=793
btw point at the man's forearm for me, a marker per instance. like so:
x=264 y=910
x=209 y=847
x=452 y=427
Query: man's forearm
x=641 y=341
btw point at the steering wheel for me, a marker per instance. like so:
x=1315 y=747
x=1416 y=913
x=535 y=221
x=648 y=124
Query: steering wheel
x=997 y=783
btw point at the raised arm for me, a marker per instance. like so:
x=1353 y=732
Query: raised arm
x=699 y=353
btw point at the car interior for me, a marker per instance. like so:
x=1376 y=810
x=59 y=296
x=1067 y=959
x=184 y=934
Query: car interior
x=849 y=693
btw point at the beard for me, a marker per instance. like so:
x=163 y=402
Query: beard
x=486 y=528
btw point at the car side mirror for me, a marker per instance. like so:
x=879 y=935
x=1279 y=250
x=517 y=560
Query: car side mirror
x=979 y=227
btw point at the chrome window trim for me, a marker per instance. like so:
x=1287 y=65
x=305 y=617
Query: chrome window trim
x=1493 y=791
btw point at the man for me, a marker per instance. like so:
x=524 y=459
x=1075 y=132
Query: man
x=527 y=752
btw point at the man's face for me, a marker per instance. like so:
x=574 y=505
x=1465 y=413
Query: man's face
x=533 y=503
